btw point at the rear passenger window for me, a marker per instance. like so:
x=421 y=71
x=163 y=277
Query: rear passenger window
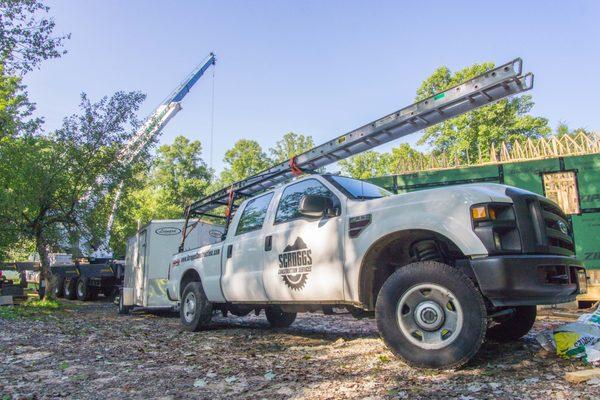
x=254 y=214
x=290 y=198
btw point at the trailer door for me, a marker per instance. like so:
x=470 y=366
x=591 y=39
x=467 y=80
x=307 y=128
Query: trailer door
x=140 y=269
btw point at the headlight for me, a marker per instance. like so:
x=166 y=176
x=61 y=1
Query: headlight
x=495 y=224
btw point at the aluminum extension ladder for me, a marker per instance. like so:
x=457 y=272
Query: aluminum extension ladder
x=484 y=89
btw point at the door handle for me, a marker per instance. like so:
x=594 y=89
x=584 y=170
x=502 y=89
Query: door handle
x=229 y=251
x=268 y=243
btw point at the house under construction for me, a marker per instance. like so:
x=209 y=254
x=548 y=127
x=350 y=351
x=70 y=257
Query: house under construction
x=565 y=169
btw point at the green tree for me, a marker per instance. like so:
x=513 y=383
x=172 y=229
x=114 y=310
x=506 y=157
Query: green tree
x=51 y=182
x=180 y=173
x=245 y=158
x=366 y=165
x=175 y=177
x=291 y=145
x=468 y=134
x=15 y=108
x=27 y=35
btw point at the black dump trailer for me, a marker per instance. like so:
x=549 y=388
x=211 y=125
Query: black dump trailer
x=85 y=281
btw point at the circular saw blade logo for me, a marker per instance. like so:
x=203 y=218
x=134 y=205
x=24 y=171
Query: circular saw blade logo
x=295 y=263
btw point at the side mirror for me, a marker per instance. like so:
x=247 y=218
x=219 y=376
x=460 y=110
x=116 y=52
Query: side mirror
x=315 y=206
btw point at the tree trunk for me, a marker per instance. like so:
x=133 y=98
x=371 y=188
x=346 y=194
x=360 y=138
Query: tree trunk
x=46 y=273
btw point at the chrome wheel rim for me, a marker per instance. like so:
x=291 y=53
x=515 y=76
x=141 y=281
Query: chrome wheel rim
x=189 y=307
x=429 y=316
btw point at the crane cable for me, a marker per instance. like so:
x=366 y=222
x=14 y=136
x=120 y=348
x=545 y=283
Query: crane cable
x=212 y=117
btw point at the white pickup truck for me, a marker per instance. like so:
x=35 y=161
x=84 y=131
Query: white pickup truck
x=439 y=269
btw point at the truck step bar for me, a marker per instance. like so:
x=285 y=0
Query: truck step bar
x=484 y=89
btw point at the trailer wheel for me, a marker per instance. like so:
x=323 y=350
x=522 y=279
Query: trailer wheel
x=69 y=288
x=59 y=287
x=195 y=311
x=279 y=318
x=83 y=292
x=431 y=315
x=514 y=326
x=123 y=309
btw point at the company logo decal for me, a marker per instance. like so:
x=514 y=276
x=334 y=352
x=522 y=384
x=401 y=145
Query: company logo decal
x=168 y=231
x=295 y=263
x=563 y=227
x=215 y=233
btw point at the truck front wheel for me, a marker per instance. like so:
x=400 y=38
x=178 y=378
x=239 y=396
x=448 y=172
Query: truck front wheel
x=195 y=311
x=279 y=318
x=431 y=315
x=513 y=326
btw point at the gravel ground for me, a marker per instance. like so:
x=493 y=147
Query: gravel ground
x=87 y=351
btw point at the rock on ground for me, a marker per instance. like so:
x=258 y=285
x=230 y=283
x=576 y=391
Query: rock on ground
x=87 y=351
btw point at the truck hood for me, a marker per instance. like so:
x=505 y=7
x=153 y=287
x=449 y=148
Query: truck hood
x=465 y=194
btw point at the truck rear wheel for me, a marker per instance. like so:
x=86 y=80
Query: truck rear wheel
x=70 y=286
x=195 y=311
x=83 y=292
x=513 y=326
x=279 y=318
x=431 y=315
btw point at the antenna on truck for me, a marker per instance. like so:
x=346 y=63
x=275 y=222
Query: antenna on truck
x=487 y=88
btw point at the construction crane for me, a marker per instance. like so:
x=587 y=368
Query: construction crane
x=498 y=83
x=140 y=141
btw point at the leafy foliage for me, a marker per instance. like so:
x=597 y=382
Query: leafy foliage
x=245 y=158
x=15 y=108
x=291 y=145
x=472 y=133
x=51 y=182
x=27 y=36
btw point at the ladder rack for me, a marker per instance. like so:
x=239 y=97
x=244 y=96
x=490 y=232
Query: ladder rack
x=484 y=89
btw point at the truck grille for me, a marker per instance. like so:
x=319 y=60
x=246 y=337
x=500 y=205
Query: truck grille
x=557 y=229
x=543 y=226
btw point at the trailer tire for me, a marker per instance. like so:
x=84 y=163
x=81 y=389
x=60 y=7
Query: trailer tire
x=83 y=292
x=431 y=315
x=195 y=311
x=69 y=288
x=123 y=309
x=59 y=287
x=514 y=326
x=279 y=318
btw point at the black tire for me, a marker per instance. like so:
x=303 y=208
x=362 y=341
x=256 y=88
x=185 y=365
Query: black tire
x=195 y=312
x=450 y=346
x=123 y=309
x=82 y=290
x=514 y=326
x=69 y=288
x=279 y=318
x=59 y=287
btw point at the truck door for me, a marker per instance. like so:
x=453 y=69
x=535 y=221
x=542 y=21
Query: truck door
x=304 y=256
x=244 y=252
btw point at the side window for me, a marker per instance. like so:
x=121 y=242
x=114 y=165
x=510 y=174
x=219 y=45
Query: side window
x=290 y=198
x=254 y=214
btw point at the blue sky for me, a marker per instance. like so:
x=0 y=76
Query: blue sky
x=319 y=68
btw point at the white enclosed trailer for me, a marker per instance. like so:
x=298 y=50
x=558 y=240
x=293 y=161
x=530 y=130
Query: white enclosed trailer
x=147 y=258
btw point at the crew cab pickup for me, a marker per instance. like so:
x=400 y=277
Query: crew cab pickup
x=439 y=269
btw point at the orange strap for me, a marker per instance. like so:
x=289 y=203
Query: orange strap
x=229 y=203
x=294 y=167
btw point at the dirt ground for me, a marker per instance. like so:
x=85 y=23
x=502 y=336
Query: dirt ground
x=87 y=351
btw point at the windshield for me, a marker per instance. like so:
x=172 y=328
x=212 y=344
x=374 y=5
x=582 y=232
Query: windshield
x=359 y=189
